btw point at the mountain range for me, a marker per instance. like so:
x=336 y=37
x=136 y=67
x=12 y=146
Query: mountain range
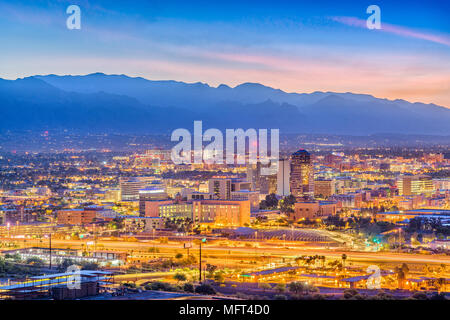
x=118 y=103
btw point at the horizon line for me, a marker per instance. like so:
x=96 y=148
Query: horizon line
x=223 y=84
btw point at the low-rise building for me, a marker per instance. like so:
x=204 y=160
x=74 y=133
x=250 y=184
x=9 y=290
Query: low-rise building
x=313 y=209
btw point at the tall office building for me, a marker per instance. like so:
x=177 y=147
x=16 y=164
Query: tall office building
x=283 y=176
x=220 y=187
x=254 y=176
x=268 y=184
x=302 y=174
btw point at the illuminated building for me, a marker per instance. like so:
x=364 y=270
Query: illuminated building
x=129 y=187
x=350 y=200
x=414 y=185
x=150 y=194
x=199 y=196
x=223 y=212
x=302 y=175
x=268 y=184
x=223 y=187
x=85 y=216
x=313 y=209
x=253 y=175
x=145 y=224
x=220 y=187
x=442 y=184
x=112 y=195
x=252 y=196
x=324 y=188
x=401 y=216
x=76 y=216
x=283 y=175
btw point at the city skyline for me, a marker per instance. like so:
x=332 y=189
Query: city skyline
x=224 y=155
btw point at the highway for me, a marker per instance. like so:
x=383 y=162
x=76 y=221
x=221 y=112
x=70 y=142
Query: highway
x=280 y=251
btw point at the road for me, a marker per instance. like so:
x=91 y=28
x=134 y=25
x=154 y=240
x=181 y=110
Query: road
x=266 y=250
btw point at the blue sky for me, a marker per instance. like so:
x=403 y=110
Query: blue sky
x=300 y=46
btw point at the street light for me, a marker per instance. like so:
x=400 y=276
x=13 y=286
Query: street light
x=200 y=261
x=256 y=242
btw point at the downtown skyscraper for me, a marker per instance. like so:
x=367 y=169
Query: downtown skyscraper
x=302 y=174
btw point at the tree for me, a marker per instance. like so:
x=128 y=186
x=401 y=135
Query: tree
x=205 y=289
x=300 y=260
x=35 y=261
x=179 y=277
x=405 y=269
x=271 y=202
x=188 y=287
x=210 y=269
x=287 y=204
x=219 y=277
x=89 y=266
x=400 y=277
x=62 y=267
x=344 y=257
x=297 y=287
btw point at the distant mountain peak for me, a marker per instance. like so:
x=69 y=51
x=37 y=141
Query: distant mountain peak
x=166 y=103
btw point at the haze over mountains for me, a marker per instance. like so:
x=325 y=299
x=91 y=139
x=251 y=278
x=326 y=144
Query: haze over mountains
x=118 y=103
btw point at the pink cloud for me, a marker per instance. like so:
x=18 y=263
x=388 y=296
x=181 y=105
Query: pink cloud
x=398 y=30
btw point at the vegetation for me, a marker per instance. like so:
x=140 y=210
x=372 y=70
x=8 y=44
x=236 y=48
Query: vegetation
x=271 y=202
x=422 y=225
x=287 y=204
x=188 y=287
x=9 y=268
x=180 y=277
x=160 y=286
x=62 y=267
x=298 y=287
x=205 y=289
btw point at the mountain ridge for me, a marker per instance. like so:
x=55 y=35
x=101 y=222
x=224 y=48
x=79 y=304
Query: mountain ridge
x=135 y=104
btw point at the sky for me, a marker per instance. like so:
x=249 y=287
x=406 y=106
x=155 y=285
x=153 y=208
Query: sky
x=295 y=46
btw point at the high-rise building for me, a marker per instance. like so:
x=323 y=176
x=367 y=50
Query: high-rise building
x=254 y=176
x=302 y=174
x=220 y=187
x=283 y=176
x=268 y=184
